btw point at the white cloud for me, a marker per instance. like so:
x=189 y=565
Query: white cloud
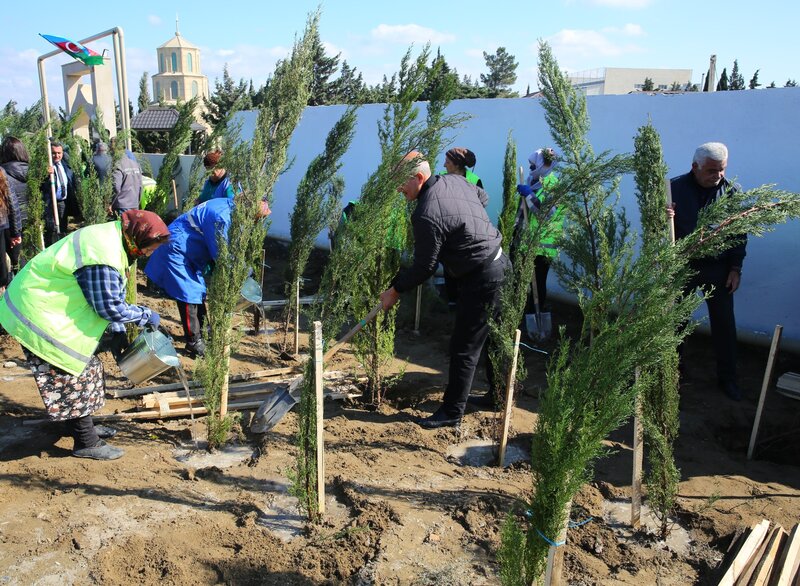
x=244 y=61
x=332 y=50
x=410 y=33
x=154 y=20
x=630 y=30
x=574 y=43
x=622 y=3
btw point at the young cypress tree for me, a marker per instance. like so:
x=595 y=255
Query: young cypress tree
x=659 y=385
x=256 y=167
x=316 y=206
x=505 y=223
x=33 y=232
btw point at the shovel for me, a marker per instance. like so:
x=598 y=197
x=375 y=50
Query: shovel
x=280 y=403
x=538 y=324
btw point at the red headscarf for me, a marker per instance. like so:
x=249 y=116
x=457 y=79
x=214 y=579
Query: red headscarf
x=141 y=229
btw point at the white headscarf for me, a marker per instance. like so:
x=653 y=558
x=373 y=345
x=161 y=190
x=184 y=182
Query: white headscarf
x=539 y=169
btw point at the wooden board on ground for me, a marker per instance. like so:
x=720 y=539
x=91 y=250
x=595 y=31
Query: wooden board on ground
x=267 y=373
x=757 y=557
x=750 y=545
x=766 y=566
x=788 y=561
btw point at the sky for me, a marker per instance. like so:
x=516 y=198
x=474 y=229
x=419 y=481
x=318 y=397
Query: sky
x=372 y=36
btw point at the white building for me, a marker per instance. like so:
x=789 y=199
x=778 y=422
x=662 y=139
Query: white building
x=624 y=80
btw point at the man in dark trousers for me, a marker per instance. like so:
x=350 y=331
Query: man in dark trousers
x=66 y=193
x=691 y=192
x=451 y=226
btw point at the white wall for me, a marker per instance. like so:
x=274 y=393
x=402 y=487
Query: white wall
x=761 y=129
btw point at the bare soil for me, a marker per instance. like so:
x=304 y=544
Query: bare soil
x=401 y=510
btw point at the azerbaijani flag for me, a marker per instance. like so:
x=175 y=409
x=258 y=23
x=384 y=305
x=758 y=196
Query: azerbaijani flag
x=75 y=50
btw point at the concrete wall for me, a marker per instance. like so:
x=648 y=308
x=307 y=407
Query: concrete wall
x=761 y=129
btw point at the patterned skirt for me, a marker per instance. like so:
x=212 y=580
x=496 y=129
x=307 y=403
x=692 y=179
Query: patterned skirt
x=67 y=396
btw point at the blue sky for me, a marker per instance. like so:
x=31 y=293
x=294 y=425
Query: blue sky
x=250 y=36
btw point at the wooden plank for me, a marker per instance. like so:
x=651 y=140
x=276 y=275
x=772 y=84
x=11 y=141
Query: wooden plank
x=638 y=461
x=764 y=569
x=789 y=381
x=320 y=399
x=756 y=559
x=765 y=384
x=149 y=401
x=271 y=372
x=790 y=559
x=512 y=378
x=742 y=558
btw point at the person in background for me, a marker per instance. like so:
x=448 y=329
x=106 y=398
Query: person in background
x=14 y=161
x=181 y=267
x=451 y=226
x=60 y=305
x=101 y=160
x=460 y=161
x=126 y=186
x=10 y=229
x=218 y=183
x=66 y=189
x=718 y=276
x=534 y=192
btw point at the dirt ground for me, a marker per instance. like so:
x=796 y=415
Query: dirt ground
x=403 y=507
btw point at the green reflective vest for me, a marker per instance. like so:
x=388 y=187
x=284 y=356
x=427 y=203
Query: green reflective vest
x=44 y=307
x=554 y=223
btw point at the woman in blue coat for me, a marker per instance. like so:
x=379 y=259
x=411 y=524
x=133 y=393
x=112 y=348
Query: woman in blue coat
x=181 y=266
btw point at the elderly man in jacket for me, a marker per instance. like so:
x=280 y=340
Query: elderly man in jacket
x=451 y=226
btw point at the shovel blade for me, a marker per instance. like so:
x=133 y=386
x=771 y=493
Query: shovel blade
x=275 y=408
x=539 y=326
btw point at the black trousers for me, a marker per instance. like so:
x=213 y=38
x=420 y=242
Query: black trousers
x=82 y=431
x=50 y=234
x=478 y=298
x=720 y=316
x=193 y=318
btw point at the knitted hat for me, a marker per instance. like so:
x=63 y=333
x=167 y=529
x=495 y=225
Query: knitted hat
x=461 y=157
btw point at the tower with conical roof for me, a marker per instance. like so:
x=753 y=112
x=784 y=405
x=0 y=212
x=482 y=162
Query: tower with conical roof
x=179 y=75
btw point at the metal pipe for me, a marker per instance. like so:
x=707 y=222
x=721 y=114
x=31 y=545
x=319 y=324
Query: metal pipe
x=126 y=118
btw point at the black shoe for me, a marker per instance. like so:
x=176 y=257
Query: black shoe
x=439 y=419
x=104 y=432
x=196 y=349
x=482 y=402
x=731 y=390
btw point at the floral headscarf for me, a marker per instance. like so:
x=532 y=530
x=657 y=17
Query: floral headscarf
x=141 y=229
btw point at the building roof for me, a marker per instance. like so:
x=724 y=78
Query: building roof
x=178 y=41
x=159 y=118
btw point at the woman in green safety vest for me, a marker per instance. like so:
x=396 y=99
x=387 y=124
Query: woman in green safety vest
x=62 y=302
x=534 y=194
x=459 y=161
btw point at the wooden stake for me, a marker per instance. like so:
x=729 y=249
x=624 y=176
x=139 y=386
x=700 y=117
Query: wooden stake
x=789 y=559
x=555 y=556
x=512 y=378
x=175 y=195
x=223 y=398
x=297 y=318
x=258 y=309
x=766 y=383
x=668 y=190
x=318 y=366
x=638 y=457
x=418 y=309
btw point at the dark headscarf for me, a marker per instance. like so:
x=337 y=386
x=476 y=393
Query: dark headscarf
x=462 y=157
x=141 y=229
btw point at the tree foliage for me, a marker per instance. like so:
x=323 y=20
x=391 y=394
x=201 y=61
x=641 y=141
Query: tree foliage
x=502 y=74
x=722 y=84
x=144 y=93
x=648 y=85
x=505 y=222
x=754 y=81
x=323 y=90
x=737 y=79
x=221 y=101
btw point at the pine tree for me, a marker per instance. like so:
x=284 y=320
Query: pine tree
x=754 y=81
x=349 y=86
x=771 y=85
x=144 y=92
x=323 y=91
x=226 y=94
x=648 y=85
x=737 y=79
x=722 y=84
x=675 y=87
x=505 y=222
x=316 y=206
x=790 y=83
x=502 y=74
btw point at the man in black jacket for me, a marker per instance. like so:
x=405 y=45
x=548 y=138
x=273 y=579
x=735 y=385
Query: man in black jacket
x=64 y=181
x=451 y=226
x=691 y=192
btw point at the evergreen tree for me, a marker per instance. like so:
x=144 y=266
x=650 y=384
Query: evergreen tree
x=790 y=83
x=648 y=85
x=316 y=206
x=323 y=91
x=754 y=81
x=737 y=79
x=675 y=87
x=722 y=84
x=144 y=92
x=771 y=85
x=505 y=222
x=502 y=74
x=225 y=95
x=19 y=124
x=256 y=166
x=349 y=86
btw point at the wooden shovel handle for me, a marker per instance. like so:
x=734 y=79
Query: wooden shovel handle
x=346 y=338
x=668 y=190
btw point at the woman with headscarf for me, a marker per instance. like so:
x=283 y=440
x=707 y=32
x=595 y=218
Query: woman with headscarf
x=58 y=308
x=14 y=161
x=459 y=161
x=218 y=183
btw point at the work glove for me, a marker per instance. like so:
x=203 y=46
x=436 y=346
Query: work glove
x=116 y=343
x=153 y=321
x=524 y=189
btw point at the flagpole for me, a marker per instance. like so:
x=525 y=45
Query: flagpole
x=126 y=118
